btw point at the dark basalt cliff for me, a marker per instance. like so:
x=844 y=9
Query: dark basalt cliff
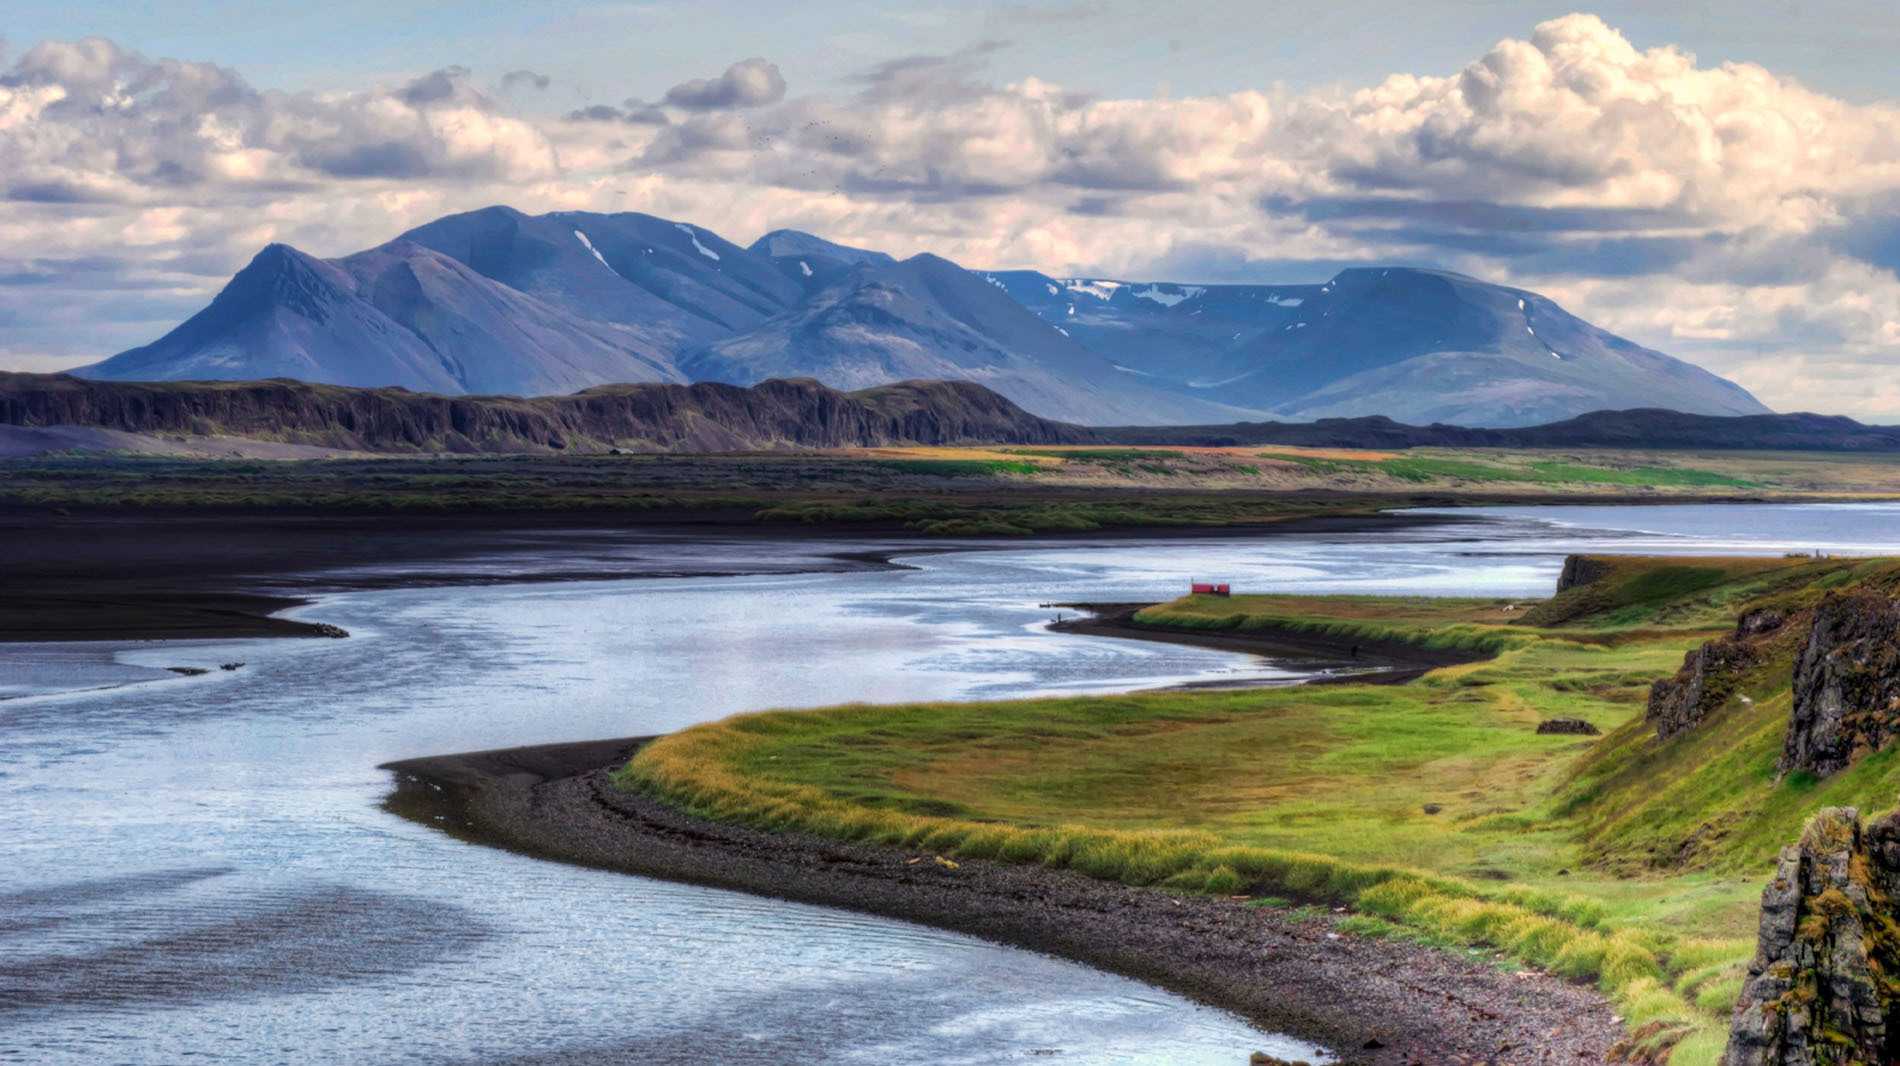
x=645 y=417
x=1710 y=674
x=1846 y=685
x=1818 y=989
x=1581 y=570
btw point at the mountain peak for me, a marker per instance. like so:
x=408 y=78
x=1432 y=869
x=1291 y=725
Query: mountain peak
x=797 y=244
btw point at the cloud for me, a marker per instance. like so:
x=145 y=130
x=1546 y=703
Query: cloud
x=1720 y=212
x=747 y=83
x=635 y=111
x=433 y=87
x=89 y=121
x=950 y=77
x=516 y=79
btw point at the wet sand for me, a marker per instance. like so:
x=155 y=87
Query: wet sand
x=222 y=572
x=136 y=574
x=1375 y=1001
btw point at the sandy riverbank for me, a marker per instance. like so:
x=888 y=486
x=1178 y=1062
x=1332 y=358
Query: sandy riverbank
x=1376 y=1001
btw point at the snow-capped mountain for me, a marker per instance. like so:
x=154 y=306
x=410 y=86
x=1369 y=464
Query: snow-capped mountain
x=497 y=301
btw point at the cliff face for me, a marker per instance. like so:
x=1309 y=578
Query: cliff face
x=1818 y=990
x=1581 y=570
x=1710 y=674
x=645 y=417
x=1846 y=685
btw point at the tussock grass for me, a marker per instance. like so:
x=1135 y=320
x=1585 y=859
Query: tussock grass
x=699 y=770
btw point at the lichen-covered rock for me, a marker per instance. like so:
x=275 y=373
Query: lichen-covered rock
x=1846 y=685
x=1818 y=991
x=1759 y=621
x=1707 y=679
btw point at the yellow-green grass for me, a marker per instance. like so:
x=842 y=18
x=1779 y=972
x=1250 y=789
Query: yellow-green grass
x=1433 y=807
x=995 y=490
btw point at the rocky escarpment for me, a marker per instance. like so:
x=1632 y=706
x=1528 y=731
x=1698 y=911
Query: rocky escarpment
x=1846 y=685
x=1711 y=674
x=1581 y=570
x=646 y=417
x=1820 y=989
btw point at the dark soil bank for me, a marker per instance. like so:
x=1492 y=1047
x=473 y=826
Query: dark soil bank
x=1378 y=1002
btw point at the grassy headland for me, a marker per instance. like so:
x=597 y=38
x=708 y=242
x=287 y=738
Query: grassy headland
x=1433 y=810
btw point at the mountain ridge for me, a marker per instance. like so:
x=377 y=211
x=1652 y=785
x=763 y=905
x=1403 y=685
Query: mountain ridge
x=806 y=414
x=647 y=417
x=499 y=301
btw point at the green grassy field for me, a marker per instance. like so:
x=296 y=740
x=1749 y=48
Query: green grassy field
x=1432 y=809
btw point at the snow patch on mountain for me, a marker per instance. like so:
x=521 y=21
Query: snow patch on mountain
x=589 y=245
x=1101 y=290
x=694 y=237
x=1169 y=299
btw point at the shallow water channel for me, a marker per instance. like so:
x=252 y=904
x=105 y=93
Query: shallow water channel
x=197 y=868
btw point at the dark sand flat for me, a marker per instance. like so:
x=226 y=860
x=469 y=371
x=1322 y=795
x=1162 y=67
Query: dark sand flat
x=130 y=573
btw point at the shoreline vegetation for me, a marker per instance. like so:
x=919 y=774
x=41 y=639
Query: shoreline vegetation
x=1433 y=811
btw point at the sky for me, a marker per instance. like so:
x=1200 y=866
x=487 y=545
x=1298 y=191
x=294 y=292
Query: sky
x=1717 y=181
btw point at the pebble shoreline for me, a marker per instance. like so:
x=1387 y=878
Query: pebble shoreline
x=1377 y=1002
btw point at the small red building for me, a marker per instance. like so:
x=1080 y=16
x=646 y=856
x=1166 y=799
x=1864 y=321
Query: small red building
x=1203 y=589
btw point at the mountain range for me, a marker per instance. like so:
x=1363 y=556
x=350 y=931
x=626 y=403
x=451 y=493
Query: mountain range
x=499 y=302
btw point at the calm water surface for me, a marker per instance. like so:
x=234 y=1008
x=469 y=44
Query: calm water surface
x=197 y=868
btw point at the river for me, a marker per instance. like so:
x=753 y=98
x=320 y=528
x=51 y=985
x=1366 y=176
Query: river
x=197 y=868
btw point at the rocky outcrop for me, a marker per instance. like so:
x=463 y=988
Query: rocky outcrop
x=1581 y=570
x=1568 y=727
x=1711 y=673
x=1760 y=622
x=647 y=417
x=1819 y=990
x=1846 y=685
x=1703 y=686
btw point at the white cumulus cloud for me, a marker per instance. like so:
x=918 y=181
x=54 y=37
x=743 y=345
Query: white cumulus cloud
x=1723 y=212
